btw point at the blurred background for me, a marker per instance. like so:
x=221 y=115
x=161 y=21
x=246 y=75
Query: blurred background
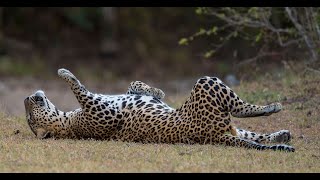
x=166 y=47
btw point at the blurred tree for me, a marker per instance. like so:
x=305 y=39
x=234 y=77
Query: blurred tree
x=136 y=35
x=271 y=29
x=1 y=33
x=109 y=45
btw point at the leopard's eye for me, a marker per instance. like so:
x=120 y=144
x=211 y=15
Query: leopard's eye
x=39 y=100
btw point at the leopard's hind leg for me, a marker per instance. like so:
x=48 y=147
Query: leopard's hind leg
x=231 y=102
x=282 y=136
x=230 y=140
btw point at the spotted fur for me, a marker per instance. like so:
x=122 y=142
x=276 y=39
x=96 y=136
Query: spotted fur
x=141 y=88
x=203 y=118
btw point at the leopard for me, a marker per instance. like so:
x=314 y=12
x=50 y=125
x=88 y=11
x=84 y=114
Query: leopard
x=140 y=115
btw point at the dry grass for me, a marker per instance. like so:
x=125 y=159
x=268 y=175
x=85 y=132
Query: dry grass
x=22 y=152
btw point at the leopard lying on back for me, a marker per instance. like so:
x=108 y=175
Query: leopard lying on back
x=141 y=116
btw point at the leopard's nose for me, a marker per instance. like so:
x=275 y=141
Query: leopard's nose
x=39 y=93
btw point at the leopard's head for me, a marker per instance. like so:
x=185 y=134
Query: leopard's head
x=40 y=114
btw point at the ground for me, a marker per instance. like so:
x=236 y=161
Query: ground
x=299 y=92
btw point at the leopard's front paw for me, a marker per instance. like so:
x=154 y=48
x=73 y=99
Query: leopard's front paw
x=67 y=75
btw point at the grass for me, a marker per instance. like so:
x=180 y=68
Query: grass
x=22 y=152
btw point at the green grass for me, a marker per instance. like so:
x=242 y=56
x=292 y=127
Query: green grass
x=22 y=152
